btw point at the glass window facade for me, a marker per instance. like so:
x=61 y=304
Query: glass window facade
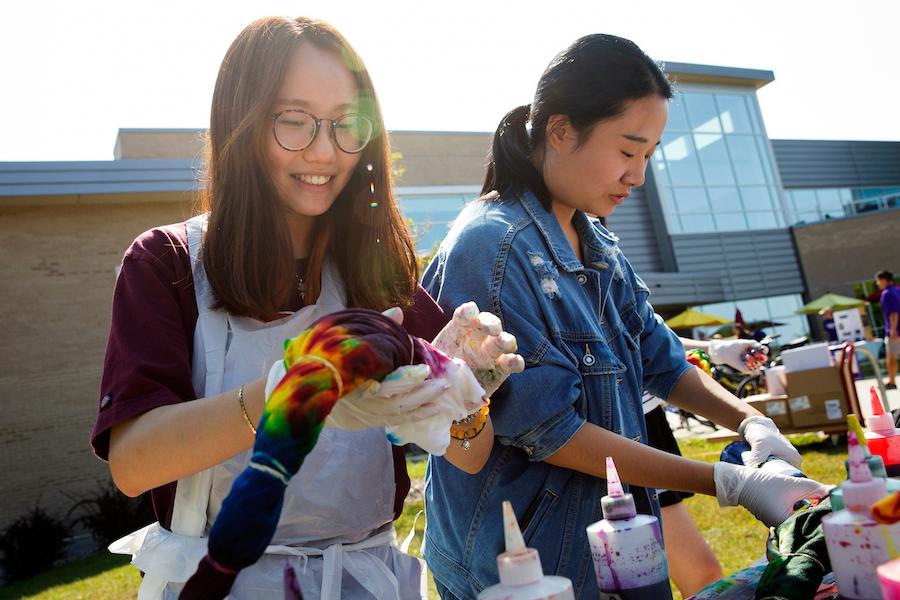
x=812 y=205
x=777 y=309
x=431 y=216
x=714 y=168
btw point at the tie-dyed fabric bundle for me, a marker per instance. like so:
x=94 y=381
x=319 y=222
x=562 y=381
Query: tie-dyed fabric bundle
x=332 y=358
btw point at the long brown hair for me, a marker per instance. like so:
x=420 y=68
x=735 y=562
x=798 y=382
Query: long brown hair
x=247 y=250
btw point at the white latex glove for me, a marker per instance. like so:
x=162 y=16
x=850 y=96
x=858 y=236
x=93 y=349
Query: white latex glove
x=770 y=497
x=478 y=340
x=413 y=406
x=765 y=440
x=405 y=396
x=430 y=427
x=734 y=354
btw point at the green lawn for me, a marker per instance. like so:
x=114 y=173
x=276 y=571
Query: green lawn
x=736 y=537
x=103 y=576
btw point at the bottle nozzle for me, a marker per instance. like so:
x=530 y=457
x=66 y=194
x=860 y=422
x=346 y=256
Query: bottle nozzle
x=854 y=426
x=877 y=408
x=511 y=531
x=616 y=504
x=613 y=483
x=862 y=490
x=878 y=421
x=518 y=565
x=859 y=470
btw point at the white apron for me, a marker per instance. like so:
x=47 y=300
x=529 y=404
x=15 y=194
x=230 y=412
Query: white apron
x=336 y=525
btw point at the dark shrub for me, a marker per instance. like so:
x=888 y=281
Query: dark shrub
x=32 y=544
x=110 y=514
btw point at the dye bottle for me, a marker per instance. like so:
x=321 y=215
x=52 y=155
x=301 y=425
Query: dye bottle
x=856 y=543
x=521 y=574
x=882 y=437
x=889 y=578
x=873 y=461
x=627 y=548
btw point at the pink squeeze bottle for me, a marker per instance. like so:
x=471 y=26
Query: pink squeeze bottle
x=521 y=574
x=882 y=437
x=627 y=548
x=856 y=543
x=889 y=577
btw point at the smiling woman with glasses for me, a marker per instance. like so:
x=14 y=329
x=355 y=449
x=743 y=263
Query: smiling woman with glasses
x=296 y=225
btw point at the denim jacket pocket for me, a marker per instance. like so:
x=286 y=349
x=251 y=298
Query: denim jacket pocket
x=601 y=373
x=534 y=515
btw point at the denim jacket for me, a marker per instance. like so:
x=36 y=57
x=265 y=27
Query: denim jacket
x=591 y=343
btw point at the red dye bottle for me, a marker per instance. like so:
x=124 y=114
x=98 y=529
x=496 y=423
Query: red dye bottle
x=882 y=437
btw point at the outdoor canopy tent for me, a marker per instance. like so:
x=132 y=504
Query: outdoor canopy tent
x=830 y=302
x=694 y=318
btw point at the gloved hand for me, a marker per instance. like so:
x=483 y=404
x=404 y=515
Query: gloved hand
x=770 y=497
x=478 y=340
x=765 y=440
x=408 y=395
x=734 y=354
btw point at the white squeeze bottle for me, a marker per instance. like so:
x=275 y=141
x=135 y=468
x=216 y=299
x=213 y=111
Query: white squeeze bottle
x=521 y=575
x=856 y=543
x=627 y=548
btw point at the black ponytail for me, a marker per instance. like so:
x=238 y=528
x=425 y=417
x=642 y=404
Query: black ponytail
x=591 y=80
x=509 y=162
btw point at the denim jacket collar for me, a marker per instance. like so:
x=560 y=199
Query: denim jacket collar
x=596 y=238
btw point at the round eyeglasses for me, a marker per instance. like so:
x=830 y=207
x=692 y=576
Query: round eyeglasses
x=296 y=129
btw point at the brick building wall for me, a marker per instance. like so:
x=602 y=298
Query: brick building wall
x=836 y=254
x=59 y=259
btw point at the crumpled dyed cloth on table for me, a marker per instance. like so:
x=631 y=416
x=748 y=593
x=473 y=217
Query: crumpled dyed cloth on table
x=339 y=353
x=798 y=556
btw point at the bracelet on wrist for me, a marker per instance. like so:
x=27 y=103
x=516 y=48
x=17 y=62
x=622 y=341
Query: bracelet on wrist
x=470 y=427
x=244 y=410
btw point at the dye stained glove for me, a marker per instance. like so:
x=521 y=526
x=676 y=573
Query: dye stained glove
x=765 y=440
x=768 y=496
x=478 y=339
x=734 y=352
x=428 y=424
x=406 y=395
x=414 y=405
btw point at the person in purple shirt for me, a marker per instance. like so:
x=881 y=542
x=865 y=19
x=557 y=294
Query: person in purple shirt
x=890 y=307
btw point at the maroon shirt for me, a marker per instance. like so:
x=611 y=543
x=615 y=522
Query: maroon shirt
x=151 y=337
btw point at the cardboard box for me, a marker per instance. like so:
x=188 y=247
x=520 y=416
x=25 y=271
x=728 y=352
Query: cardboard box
x=816 y=397
x=814 y=356
x=776 y=381
x=774 y=407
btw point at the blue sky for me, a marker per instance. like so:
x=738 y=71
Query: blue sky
x=75 y=72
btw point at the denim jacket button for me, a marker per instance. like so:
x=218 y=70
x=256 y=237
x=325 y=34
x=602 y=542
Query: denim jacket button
x=582 y=278
x=588 y=360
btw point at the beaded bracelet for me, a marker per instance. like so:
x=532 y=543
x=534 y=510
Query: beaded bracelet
x=470 y=427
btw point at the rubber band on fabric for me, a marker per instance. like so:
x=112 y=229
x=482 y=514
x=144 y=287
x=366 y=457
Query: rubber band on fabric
x=269 y=471
x=334 y=372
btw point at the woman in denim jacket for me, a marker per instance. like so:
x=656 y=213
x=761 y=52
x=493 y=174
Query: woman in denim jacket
x=528 y=252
